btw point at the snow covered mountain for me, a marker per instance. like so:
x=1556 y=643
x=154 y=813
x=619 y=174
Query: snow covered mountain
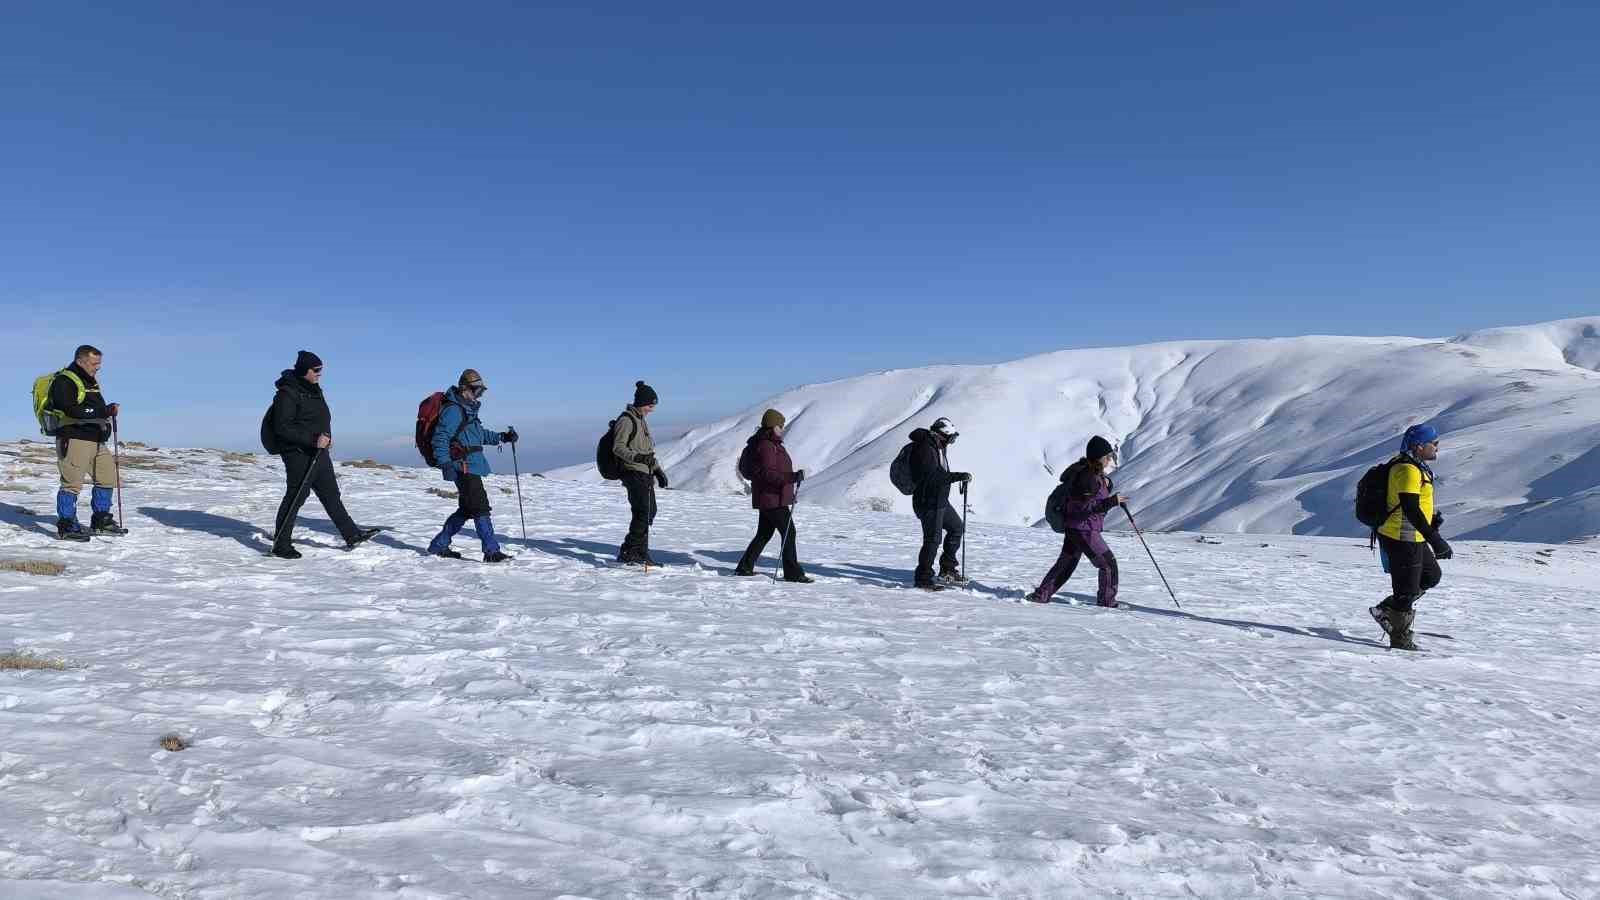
x=384 y=724
x=1265 y=436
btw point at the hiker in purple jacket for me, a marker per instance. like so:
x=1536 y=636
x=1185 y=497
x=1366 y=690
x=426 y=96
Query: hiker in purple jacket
x=1089 y=498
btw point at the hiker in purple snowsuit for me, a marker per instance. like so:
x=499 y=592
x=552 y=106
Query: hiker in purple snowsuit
x=1088 y=500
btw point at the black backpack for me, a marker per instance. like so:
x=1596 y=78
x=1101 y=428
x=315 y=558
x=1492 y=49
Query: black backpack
x=269 y=438
x=605 y=456
x=1372 y=496
x=1055 y=507
x=747 y=462
x=900 y=471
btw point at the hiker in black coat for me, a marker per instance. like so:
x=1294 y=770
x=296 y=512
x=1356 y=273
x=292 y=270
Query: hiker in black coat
x=299 y=429
x=930 y=471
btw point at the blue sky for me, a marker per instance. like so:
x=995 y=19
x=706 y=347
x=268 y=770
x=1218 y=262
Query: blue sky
x=727 y=201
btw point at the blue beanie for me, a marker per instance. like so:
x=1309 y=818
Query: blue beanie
x=1419 y=434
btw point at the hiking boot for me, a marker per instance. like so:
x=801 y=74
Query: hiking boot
x=447 y=553
x=69 y=530
x=1380 y=614
x=743 y=572
x=921 y=585
x=1400 y=636
x=953 y=575
x=105 y=523
x=1035 y=597
x=285 y=552
x=802 y=578
x=362 y=535
x=497 y=557
x=1108 y=604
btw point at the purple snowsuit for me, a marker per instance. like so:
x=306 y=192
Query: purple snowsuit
x=1088 y=500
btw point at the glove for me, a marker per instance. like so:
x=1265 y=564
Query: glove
x=457 y=452
x=113 y=409
x=648 y=460
x=509 y=436
x=962 y=477
x=1438 y=519
x=799 y=476
x=661 y=479
x=1441 y=550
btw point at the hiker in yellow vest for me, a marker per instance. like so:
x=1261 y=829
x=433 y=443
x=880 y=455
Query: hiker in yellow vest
x=82 y=421
x=1409 y=536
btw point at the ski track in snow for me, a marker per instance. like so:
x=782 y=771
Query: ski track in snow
x=379 y=723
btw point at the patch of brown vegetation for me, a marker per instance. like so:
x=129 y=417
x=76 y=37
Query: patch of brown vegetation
x=229 y=456
x=20 y=661
x=148 y=463
x=13 y=487
x=135 y=445
x=441 y=492
x=32 y=566
x=173 y=743
x=367 y=464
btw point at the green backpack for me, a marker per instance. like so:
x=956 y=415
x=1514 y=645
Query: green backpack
x=51 y=420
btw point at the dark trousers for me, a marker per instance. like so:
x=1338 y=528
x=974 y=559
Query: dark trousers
x=321 y=482
x=936 y=521
x=1413 y=571
x=778 y=521
x=642 y=502
x=472 y=502
x=1075 y=545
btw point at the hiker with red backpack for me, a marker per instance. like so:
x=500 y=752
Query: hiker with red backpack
x=1079 y=506
x=773 y=483
x=454 y=438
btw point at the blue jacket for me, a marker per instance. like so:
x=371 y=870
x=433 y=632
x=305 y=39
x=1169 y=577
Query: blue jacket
x=474 y=436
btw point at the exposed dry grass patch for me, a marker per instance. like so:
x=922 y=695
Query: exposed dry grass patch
x=13 y=487
x=27 y=661
x=367 y=464
x=135 y=445
x=441 y=492
x=32 y=566
x=173 y=743
x=148 y=464
x=228 y=456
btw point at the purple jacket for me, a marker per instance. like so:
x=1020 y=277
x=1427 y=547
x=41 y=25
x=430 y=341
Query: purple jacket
x=1088 y=501
x=773 y=484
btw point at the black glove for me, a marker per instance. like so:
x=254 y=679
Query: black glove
x=648 y=460
x=661 y=479
x=799 y=476
x=962 y=477
x=1438 y=519
x=509 y=436
x=1441 y=549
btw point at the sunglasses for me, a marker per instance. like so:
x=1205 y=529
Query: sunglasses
x=317 y=369
x=478 y=386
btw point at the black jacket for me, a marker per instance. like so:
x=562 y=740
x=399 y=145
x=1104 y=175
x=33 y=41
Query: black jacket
x=930 y=471
x=299 y=413
x=64 y=398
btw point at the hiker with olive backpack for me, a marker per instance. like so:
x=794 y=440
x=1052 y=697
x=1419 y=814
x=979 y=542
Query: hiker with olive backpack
x=70 y=409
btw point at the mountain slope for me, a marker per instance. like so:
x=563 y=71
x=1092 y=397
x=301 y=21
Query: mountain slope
x=1266 y=436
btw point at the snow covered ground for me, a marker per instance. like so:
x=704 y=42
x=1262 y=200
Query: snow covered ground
x=1250 y=436
x=380 y=724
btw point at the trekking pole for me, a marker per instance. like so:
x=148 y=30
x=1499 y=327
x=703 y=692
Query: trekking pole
x=304 y=480
x=964 y=530
x=116 y=468
x=1152 y=555
x=788 y=525
x=517 y=471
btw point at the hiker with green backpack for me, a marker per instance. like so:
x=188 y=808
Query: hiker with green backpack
x=70 y=408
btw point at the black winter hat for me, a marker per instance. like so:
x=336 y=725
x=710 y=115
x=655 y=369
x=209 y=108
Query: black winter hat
x=306 y=361
x=644 y=394
x=1098 y=447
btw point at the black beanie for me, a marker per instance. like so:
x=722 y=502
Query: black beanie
x=1098 y=447
x=305 y=362
x=644 y=394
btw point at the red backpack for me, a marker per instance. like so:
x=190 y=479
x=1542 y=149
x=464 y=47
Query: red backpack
x=428 y=412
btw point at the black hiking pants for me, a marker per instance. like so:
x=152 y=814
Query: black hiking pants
x=1413 y=570
x=642 y=503
x=771 y=522
x=942 y=519
x=321 y=482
